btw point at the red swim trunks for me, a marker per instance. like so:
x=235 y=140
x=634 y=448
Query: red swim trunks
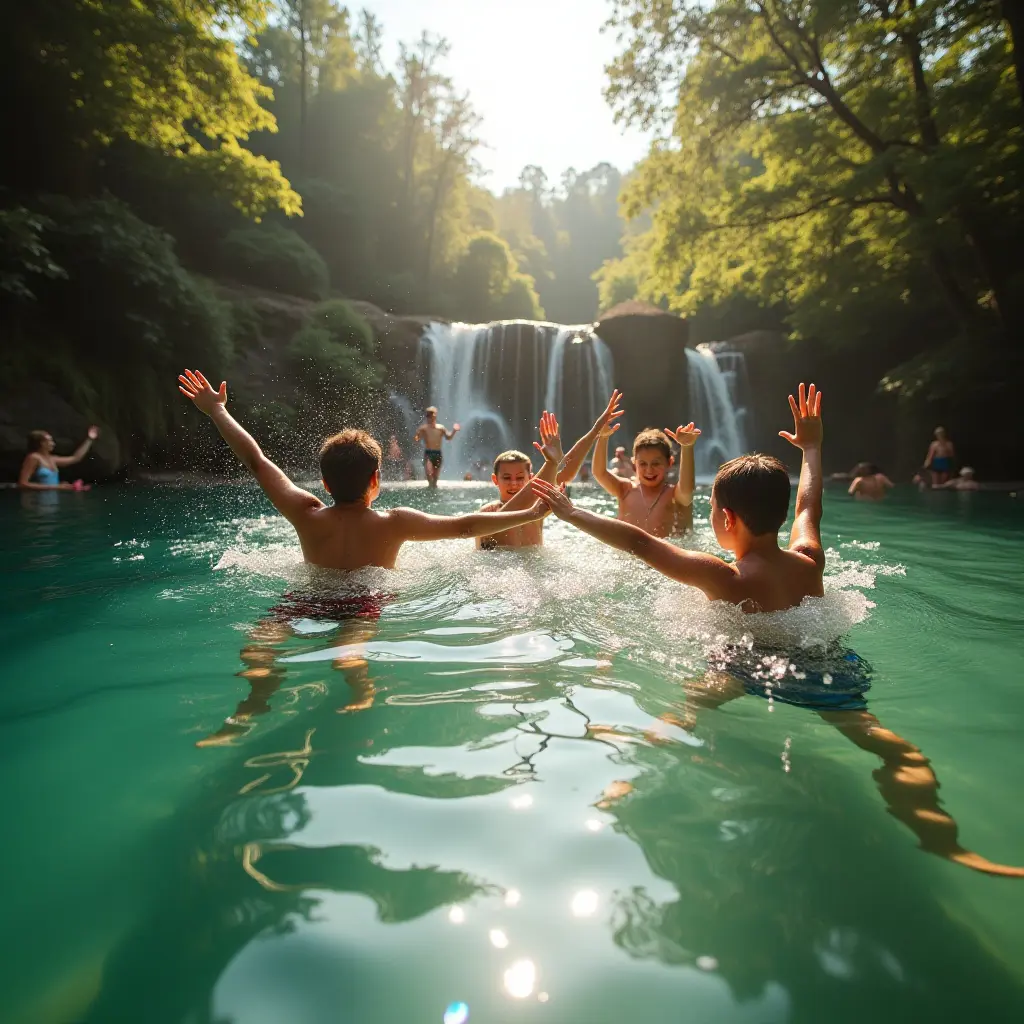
x=331 y=609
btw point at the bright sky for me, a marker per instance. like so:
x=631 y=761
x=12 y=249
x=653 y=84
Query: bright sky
x=535 y=72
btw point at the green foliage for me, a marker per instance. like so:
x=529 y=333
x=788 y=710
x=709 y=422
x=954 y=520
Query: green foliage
x=322 y=364
x=616 y=282
x=346 y=325
x=23 y=254
x=487 y=284
x=273 y=256
x=858 y=165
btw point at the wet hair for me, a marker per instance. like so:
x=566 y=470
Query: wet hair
x=347 y=463
x=512 y=456
x=755 y=488
x=866 y=469
x=430 y=409
x=651 y=437
x=36 y=438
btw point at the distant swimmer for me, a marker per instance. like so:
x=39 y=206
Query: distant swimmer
x=622 y=464
x=964 y=482
x=940 y=457
x=869 y=482
x=432 y=433
x=40 y=470
x=349 y=534
x=394 y=460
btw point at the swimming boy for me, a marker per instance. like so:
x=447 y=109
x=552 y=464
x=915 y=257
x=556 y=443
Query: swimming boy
x=649 y=501
x=348 y=534
x=749 y=503
x=869 y=483
x=432 y=433
x=513 y=470
x=939 y=459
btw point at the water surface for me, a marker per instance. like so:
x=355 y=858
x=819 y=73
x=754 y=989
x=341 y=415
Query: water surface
x=482 y=797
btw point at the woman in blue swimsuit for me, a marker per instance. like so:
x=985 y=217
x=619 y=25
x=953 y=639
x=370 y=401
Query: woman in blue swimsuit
x=41 y=469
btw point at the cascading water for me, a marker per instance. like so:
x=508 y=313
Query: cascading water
x=494 y=380
x=716 y=378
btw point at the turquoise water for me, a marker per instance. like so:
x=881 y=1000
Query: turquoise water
x=489 y=808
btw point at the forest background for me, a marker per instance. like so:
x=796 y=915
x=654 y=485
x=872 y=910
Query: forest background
x=847 y=174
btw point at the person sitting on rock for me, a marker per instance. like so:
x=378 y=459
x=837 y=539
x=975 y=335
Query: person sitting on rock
x=40 y=470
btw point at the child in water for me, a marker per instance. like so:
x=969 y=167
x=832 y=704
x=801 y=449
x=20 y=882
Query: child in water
x=40 y=471
x=939 y=459
x=348 y=534
x=646 y=499
x=513 y=471
x=869 y=482
x=432 y=434
x=749 y=503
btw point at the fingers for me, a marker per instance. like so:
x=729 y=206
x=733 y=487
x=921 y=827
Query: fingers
x=203 y=380
x=194 y=380
x=803 y=399
x=795 y=408
x=791 y=438
x=224 y=389
x=187 y=394
x=817 y=405
x=811 y=392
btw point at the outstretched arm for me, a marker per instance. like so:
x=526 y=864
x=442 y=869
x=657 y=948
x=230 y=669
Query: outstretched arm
x=686 y=438
x=805 y=537
x=451 y=433
x=291 y=501
x=613 y=484
x=551 y=449
x=578 y=452
x=80 y=452
x=414 y=525
x=705 y=572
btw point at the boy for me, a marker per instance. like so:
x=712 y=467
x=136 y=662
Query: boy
x=431 y=433
x=513 y=471
x=869 y=483
x=621 y=465
x=939 y=459
x=749 y=503
x=647 y=500
x=348 y=534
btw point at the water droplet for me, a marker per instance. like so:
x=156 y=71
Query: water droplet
x=520 y=979
x=584 y=903
x=457 y=1013
x=456 y=915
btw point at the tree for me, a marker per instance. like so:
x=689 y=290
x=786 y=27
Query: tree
x=821 y=143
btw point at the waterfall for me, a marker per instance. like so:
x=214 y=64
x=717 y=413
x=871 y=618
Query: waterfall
x=716 y=380
x=494 y=380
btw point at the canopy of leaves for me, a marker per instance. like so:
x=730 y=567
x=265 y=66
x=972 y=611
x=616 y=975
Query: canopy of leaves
x=273 y=256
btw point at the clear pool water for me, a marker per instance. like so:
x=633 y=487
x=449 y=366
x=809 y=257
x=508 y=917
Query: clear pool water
x=498 y=802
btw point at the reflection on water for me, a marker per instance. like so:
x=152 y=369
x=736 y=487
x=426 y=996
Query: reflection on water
x=501 y=785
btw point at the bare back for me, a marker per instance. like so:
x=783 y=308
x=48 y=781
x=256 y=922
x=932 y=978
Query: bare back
x=338 y=537
x=775 y=580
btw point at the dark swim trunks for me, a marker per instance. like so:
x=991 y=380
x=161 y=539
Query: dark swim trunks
x=433 y=456
x=331 y=609
x=834 y=680
x=941 y=464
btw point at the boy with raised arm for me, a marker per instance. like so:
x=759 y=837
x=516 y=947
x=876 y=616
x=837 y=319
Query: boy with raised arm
x=749 y=503
x=432 y=434
x=348 y=534
x=647 y=500
x=513 y=471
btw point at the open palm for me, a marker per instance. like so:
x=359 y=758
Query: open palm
x=195 y=386
x=807 y=428
x=685 y=437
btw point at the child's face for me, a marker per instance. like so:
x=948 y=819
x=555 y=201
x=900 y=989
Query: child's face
x=511 y=478
x=651 y=466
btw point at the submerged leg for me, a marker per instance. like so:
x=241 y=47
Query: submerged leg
x=354 y=666
x=910 y=789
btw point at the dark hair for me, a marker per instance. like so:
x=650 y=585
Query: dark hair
x=36 y=439
x=347 y=463
x=512 y=456
x=756 y=488
x=866 y=469
x=651 y=437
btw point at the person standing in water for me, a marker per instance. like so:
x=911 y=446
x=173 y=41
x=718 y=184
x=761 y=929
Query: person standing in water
x=622 y=465
x=869 y=483
x=40 y=470
x=939 y=459
x=431 y=433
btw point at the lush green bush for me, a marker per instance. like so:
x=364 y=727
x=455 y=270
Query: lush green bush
x=345 y=325
x=23 y=255
x=272 y=256
x=321 y=362
x=520 y=301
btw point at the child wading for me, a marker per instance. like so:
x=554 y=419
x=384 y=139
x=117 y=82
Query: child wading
x=348 y=534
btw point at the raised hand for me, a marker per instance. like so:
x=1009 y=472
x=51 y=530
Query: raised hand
x=604 y=425
x=92 y=433
x=553 y=497
x=807 y=429
x=195 y=386
x=455 y=428
x=685 y=437
x=550 y=439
